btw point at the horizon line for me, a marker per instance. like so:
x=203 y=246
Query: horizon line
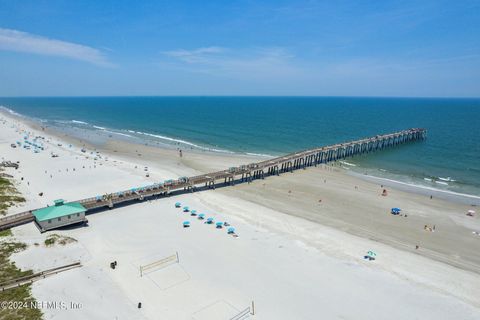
x=243 y=96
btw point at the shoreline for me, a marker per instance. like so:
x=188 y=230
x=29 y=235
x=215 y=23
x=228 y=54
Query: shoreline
x=109 y=145
x=290 y=227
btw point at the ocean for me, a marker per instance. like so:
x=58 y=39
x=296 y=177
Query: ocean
x=448 y=160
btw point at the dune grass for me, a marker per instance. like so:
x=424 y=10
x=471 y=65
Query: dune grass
x=8 y=269
x=9 y=196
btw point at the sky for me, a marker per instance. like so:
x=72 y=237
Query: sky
x=267 y=48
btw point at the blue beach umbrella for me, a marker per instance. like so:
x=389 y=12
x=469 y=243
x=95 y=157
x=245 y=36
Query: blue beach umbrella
x=201 y=216
x=210 y=220
x=396 y=210
x=178 y=204
x=219 y=225
x=231 y=230
x=186 y=209
x=193 y=212
x=186 y=224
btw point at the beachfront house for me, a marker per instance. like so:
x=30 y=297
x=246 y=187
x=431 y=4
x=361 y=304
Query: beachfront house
x=59 y=215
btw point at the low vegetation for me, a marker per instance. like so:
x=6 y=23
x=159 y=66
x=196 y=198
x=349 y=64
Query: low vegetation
x=8 y=195
x=5 y=233
x=56 y=238
x=8 y=270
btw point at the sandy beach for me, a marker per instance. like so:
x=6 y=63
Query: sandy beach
x=299 y=254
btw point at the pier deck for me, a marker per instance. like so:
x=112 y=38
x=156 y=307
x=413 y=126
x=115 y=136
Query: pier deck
x=257 y=170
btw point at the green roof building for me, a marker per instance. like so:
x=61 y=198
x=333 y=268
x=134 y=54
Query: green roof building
x=59 y=215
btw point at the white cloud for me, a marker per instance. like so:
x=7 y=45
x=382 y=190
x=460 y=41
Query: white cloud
x=241 y=63
x=198 y=55
x=13 y=40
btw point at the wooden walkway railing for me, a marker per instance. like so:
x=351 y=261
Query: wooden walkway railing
x=9 y=284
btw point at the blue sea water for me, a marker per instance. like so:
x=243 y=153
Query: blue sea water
x=448 y=159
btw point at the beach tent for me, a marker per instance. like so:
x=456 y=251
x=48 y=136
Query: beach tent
x=231 y=230
x=201 y=216
x=178 y=204
x=186 y=209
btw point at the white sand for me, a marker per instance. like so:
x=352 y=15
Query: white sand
x=292 y=268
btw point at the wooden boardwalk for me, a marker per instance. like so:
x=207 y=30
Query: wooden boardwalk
x=243 y=173
x=14 y=283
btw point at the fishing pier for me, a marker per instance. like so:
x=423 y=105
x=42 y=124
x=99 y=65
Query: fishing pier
x=243 y=173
